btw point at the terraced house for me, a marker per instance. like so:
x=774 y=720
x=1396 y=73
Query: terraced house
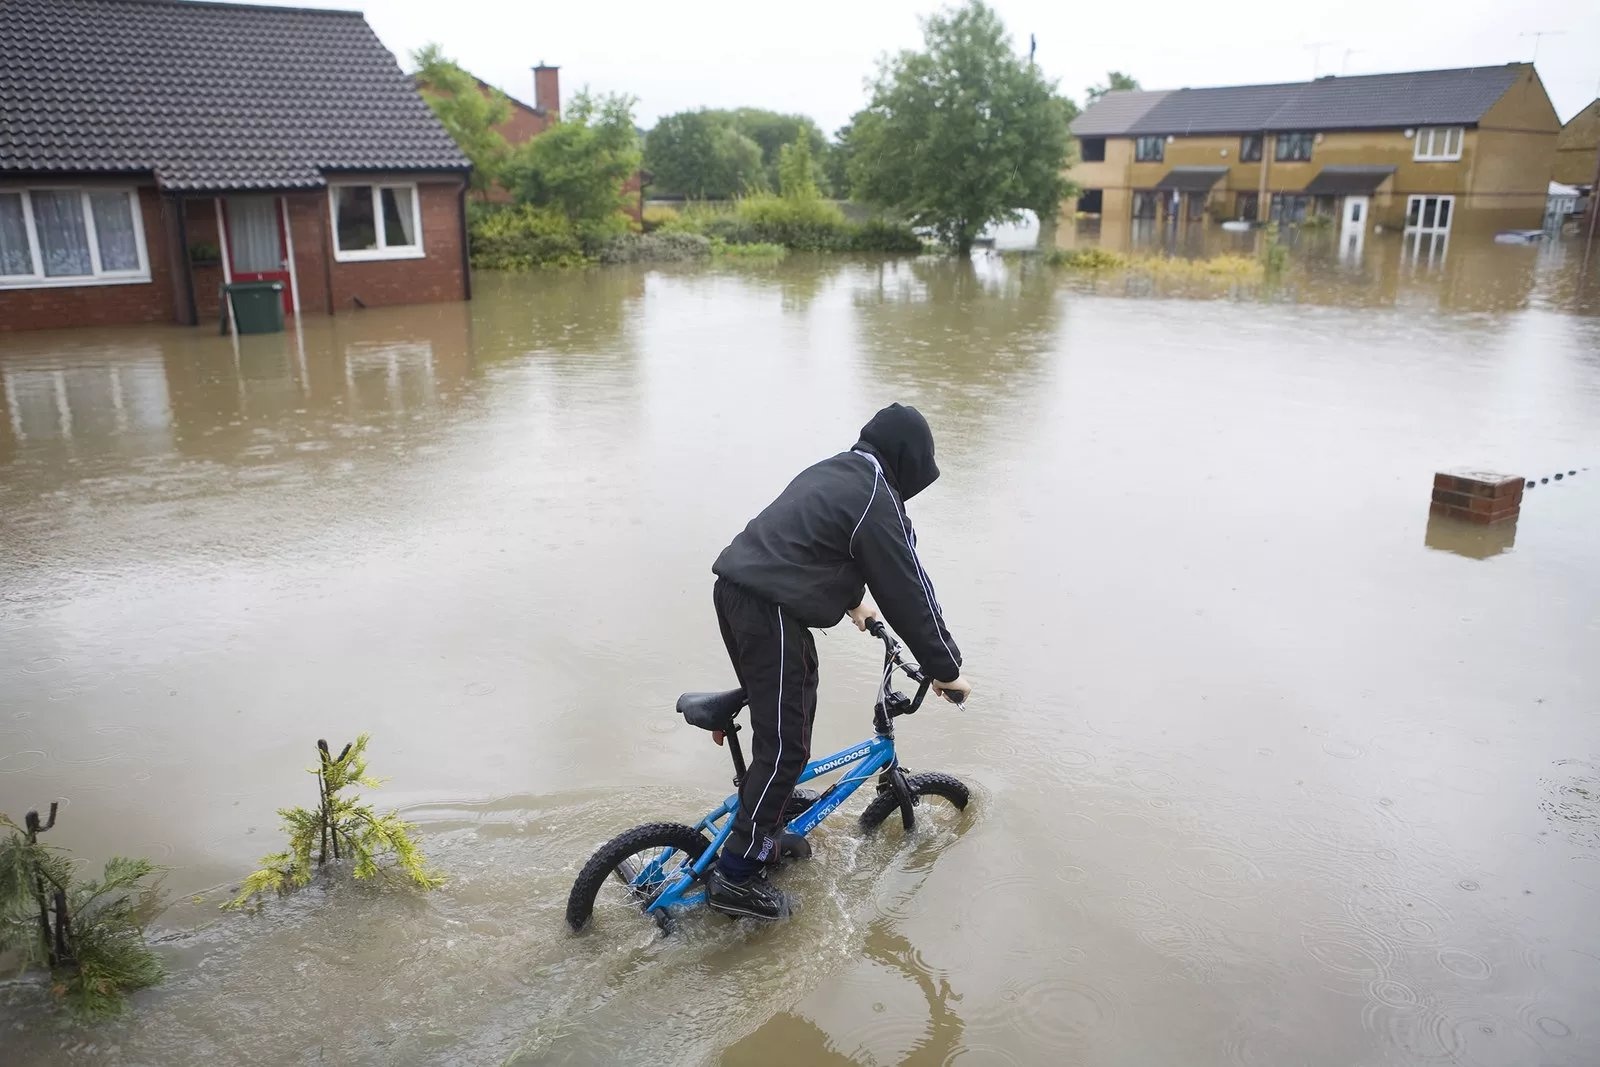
x=1413 y=151
x=151 y=150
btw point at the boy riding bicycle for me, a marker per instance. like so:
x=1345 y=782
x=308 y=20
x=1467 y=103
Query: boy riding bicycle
x=807 y=560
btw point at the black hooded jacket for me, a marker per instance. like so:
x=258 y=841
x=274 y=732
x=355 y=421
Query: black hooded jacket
x=841 y=526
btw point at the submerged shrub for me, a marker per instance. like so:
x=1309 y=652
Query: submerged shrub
x=1086 y=259
x=1098 y=259
x=89 y=934
x=341 y=827
x=808 y=224
x=658 y=247
x=756 y=250
x=882 y=235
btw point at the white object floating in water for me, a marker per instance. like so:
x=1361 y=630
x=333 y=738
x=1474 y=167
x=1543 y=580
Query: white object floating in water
x=1236 y=225
x=1517 y=237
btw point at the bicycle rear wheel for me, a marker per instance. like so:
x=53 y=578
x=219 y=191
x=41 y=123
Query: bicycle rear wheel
x=610 y=882
x=922 y=785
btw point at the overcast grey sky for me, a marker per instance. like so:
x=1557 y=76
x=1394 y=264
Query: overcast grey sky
x=813 y=57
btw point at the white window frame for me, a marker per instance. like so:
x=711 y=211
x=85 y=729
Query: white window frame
x=1420 y=200
x=98 y=276
x=384 y=250
x=1434 y=136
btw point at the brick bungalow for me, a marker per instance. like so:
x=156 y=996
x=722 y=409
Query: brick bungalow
x=151 y=150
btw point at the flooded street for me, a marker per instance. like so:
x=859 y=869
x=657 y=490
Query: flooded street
x=1268 y=767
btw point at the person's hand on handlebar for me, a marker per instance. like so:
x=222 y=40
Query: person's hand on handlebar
x=863 y=613
x=955 y=692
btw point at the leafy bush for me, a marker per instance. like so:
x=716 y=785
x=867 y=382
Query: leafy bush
x=658 y=217
x=803 y=223
x=522 y=238
x=659 y=247
x=341 y=827
x=881 y=235
x=595 y=234
x=90 y=934
x=757 y=250
x=1086 y=259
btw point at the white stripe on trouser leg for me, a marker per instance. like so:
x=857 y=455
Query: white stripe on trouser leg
x=778 y=759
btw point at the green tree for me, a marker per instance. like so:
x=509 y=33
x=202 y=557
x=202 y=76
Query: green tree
x=578 y=165
x=699 y=154
x=797 y=172
x=963 y=133
x=772 y=130
x=469 y=110
x=836 y=161
x=1115 y=81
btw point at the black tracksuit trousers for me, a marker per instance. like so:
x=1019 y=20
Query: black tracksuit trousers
x=775 y=658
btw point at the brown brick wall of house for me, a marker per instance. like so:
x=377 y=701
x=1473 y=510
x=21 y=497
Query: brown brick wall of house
x=431 y=280
x=103 y=305
x=324 y=283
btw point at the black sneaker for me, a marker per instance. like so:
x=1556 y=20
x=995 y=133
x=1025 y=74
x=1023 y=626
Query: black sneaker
x=755 y=897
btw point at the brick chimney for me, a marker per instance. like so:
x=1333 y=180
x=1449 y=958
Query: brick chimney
x=547 y=90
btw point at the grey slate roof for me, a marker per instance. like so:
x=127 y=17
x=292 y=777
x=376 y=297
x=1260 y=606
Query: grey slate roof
x=1116 y=112
x=206 y=96
x=1366 y=102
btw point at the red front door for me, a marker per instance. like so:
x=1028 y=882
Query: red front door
x=256 y=243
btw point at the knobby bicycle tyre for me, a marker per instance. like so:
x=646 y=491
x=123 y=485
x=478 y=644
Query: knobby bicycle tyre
x=931 y=784
x=651 y=836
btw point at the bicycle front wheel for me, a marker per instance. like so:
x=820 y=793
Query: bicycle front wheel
x=626 y=873
x=945 y=786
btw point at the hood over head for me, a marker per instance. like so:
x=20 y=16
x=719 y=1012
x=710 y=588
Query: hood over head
x=899 y=436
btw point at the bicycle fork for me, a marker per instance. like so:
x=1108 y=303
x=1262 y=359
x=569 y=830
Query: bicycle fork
x=893 y=779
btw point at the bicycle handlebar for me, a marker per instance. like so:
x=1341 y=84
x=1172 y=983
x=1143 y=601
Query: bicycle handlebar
x=891 y=651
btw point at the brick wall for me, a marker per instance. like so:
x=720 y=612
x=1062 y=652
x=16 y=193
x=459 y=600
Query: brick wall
x=104 y=305
x=325 y=284
x=377 y=283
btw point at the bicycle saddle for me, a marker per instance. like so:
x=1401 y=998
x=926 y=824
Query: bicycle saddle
x=711 y=711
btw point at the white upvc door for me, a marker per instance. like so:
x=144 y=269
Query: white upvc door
x=1356 y=209
x=1353 y=226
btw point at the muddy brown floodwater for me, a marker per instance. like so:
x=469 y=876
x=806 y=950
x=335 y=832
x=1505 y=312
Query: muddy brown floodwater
x=1268 y=768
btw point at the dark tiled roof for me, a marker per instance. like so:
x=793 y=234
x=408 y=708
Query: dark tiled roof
x=1191 y=179
x=206 y=96
x=1371 y=101
x=1348 y=181
x=1115 y=112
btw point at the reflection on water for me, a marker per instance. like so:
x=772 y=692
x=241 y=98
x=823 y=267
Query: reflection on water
x=1470 y=539
x=1460 y=270
x=125 y=401
x=1265 y=770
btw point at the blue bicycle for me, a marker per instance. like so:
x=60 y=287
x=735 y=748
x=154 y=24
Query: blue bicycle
x=655 y=868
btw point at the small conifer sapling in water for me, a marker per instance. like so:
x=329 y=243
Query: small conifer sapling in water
x=341 y=827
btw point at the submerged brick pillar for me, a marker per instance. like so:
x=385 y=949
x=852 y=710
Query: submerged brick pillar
x=1477 y=496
